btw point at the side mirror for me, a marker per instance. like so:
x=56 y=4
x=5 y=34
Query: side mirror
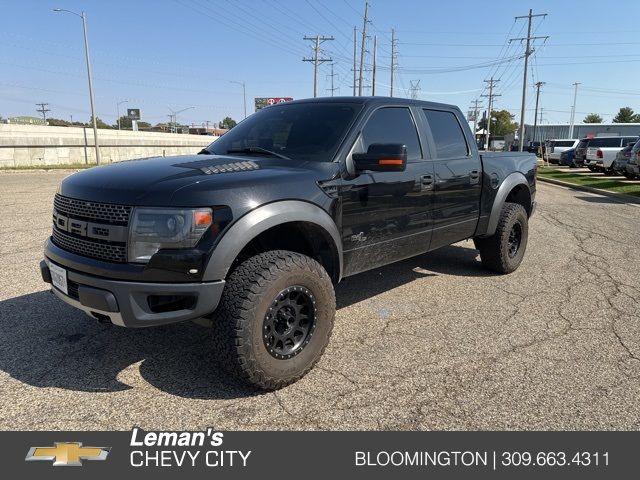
x=382 y=157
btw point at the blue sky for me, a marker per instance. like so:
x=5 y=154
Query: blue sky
x=175 y=54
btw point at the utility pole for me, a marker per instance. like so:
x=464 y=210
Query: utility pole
x=43 y=110
x=316 y=59
x=375 y=49
x=535 y=119
x=476 y=103
x=414 y=89
x=573 y=109
x=355 y=54
x=393 y=59
x=362 y=46
x=332 y=75
x=528 y=51
x=491 y=96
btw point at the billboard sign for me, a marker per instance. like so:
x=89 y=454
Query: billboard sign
x=262 y=102
x=133 y=113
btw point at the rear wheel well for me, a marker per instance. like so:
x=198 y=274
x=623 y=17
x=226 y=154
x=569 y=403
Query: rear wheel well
x=305 y=238
x=520 y=194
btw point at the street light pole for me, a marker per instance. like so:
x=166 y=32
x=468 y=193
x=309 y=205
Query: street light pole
x=244 y=95
x=83 y=16
x=118 y=109
x=573 y=109
x=174 y=114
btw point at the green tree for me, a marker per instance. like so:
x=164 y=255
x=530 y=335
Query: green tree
x=58 y=122
x=228 y=122
x=592 y=118
x=501 y=123
x=99 y=123
x=626 y=115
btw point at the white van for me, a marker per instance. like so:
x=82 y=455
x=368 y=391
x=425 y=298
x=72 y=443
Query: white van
x=557 y=146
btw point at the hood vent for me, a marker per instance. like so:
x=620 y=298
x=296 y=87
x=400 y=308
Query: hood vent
x=229 y=167
x=209 y=168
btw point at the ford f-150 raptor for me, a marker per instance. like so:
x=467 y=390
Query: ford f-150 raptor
x=255 y=230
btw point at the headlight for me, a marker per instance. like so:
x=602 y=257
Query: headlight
x=156 y=228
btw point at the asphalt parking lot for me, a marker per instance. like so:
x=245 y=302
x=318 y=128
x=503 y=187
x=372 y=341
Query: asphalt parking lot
x=434 y=342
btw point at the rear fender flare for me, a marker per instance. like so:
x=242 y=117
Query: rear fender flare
x=514 y=179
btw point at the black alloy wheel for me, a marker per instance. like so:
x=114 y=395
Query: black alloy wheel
x=289 y=323
x=515 y=238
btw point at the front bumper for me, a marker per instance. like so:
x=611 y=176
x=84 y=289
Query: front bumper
x=128 y=304
x=633 y=169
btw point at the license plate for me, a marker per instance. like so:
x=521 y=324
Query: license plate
x=59 y=278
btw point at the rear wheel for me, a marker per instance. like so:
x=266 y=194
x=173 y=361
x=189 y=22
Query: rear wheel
x=275 y=318
x=503 y=251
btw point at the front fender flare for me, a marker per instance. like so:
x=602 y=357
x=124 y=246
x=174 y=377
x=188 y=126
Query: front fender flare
x=508 y=184
x=261 y=219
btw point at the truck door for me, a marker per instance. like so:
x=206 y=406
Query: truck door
x=386 y=216
x=458 y=179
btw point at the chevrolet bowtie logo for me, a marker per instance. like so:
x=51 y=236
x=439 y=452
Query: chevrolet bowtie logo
x=68 y=453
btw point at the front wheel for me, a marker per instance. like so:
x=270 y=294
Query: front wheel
x=275 y=318
x=503 y=251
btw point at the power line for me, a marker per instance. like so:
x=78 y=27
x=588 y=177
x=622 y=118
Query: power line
x=43 y=110
x=535 y=120
x=490 y=96
x=375 y=52
x=362 y=46
x=393 y=59
x=316 y=59
x=476 y=104
x=332 y=75
x=414 y=89
x=527 y=52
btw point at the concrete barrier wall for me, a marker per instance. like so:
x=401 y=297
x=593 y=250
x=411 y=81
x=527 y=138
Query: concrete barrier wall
x=25 y=145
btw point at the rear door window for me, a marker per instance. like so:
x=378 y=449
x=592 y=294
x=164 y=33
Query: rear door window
x=447 y=134
x=605 y=142
x=392 y=125
x=563 y=143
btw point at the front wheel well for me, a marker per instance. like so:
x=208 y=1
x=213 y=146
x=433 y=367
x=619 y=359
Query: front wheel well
x=301 y=237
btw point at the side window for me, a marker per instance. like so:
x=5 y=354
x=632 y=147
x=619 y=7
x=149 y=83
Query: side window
x=447 y=134
x=392 y=125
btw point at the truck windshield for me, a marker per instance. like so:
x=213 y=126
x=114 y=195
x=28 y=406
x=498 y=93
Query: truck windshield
x=297 y=131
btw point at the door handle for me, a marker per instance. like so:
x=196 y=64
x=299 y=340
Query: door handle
x=426 y=182
x=474 y=176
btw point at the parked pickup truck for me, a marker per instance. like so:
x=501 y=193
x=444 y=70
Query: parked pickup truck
x=602 y=152
x=254 y=232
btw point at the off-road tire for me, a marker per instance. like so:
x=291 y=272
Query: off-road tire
x=494 y=250
x=239 y=320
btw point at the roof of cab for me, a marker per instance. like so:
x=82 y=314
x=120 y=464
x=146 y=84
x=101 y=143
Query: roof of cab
x=377 y=100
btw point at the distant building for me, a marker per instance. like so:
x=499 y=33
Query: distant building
x=580 y=130
x=217 y=132
x=24 y=120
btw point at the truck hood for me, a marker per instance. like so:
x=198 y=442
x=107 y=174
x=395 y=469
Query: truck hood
x=189 y=180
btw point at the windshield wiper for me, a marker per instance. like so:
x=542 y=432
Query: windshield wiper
x=259 y=150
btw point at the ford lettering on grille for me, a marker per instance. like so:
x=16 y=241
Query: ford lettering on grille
x=91 y=229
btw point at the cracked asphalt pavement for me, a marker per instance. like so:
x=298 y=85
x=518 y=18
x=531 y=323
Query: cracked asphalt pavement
x=433 y=342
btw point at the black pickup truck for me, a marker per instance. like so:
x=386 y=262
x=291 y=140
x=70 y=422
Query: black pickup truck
x=254 y=231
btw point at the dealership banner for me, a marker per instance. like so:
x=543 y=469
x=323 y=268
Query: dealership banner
x=213 y=454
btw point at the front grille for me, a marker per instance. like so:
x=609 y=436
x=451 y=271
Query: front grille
x=108 y=212
x=89 y=248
